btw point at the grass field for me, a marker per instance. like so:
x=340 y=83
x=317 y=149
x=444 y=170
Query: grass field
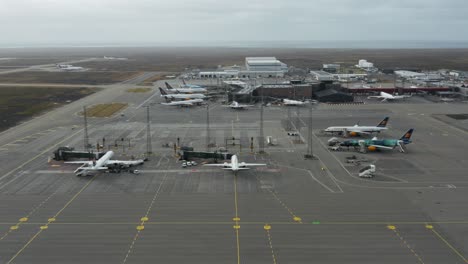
x=21 y=103
x=91 y=78
x=178 y=59
x=139 y=90
x=105 y=110
x=155 y=78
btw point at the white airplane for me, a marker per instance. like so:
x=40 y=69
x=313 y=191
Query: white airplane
x=103 y=164
x=114 y=58
x=236 y=105
x=68 y=67
x=181 y=96
x=357 y=129
x=184 y=90
x=289 y=102
x=235 y=165
x=386 y=96
x=193 y=86
x=190 y=102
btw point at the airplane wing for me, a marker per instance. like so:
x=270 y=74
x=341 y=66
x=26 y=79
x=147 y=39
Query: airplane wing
x=79 y=162
x=381 y=147
x=253 y=164
x=124 y=162
x=218 y=165
x=178 y=103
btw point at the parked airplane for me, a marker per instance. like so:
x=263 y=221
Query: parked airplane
x=184 y=90
x=190 y=102
x=289 y=102
x=181 y=96
x=236 y=105
x=293 y=102
x=68 y=67
x=194 y=86
x=357 y=129
x=375 y=144
x=103 y=164
x=386 y=96
x=235 y=165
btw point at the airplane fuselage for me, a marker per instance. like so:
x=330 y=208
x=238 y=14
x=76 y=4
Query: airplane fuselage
x=367 y=129
x=371 y=143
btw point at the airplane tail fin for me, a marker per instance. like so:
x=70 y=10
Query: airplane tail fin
x=407 y=136
x=384 y=122
x=162 y=91
x=168 y=85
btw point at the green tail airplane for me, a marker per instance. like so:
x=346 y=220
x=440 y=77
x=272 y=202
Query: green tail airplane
x=375 y=144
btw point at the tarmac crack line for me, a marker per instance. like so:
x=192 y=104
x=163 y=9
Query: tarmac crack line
x=144 y=219
x=51 y=220
x=439 y=236
x=395 y=231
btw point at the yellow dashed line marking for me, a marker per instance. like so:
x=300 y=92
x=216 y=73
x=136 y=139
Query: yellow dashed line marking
x=143 y=220
x=294 y=217
x=267 y=228
x=236 y=219
x=431 y=228
x=15 y=227
x=395 y=231
x=46 y=226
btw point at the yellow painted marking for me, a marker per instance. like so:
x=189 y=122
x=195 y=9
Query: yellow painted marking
x=395 y=231
x=429 y=226
x=267 y=227
x=44 y=227
x=23 y=219
x=236 y=219
x=15 y=227
x=270 y=243
x=145 y=218
x=294 y=217
x=35 y=157
x=55 y=165
x=449 y=245
x=52 y=219
x=21 y=250
x=236 y=226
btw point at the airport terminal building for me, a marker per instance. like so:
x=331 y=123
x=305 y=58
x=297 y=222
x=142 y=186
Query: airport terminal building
x=255 y=67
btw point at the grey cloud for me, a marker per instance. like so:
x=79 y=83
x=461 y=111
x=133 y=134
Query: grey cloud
x=145 y=21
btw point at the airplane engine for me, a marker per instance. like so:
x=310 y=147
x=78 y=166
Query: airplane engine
x=242 y=164
x=372 y=148
x=353 y=134
x=225 y=164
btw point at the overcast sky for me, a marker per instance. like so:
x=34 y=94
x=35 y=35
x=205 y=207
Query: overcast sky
x=29 y=22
